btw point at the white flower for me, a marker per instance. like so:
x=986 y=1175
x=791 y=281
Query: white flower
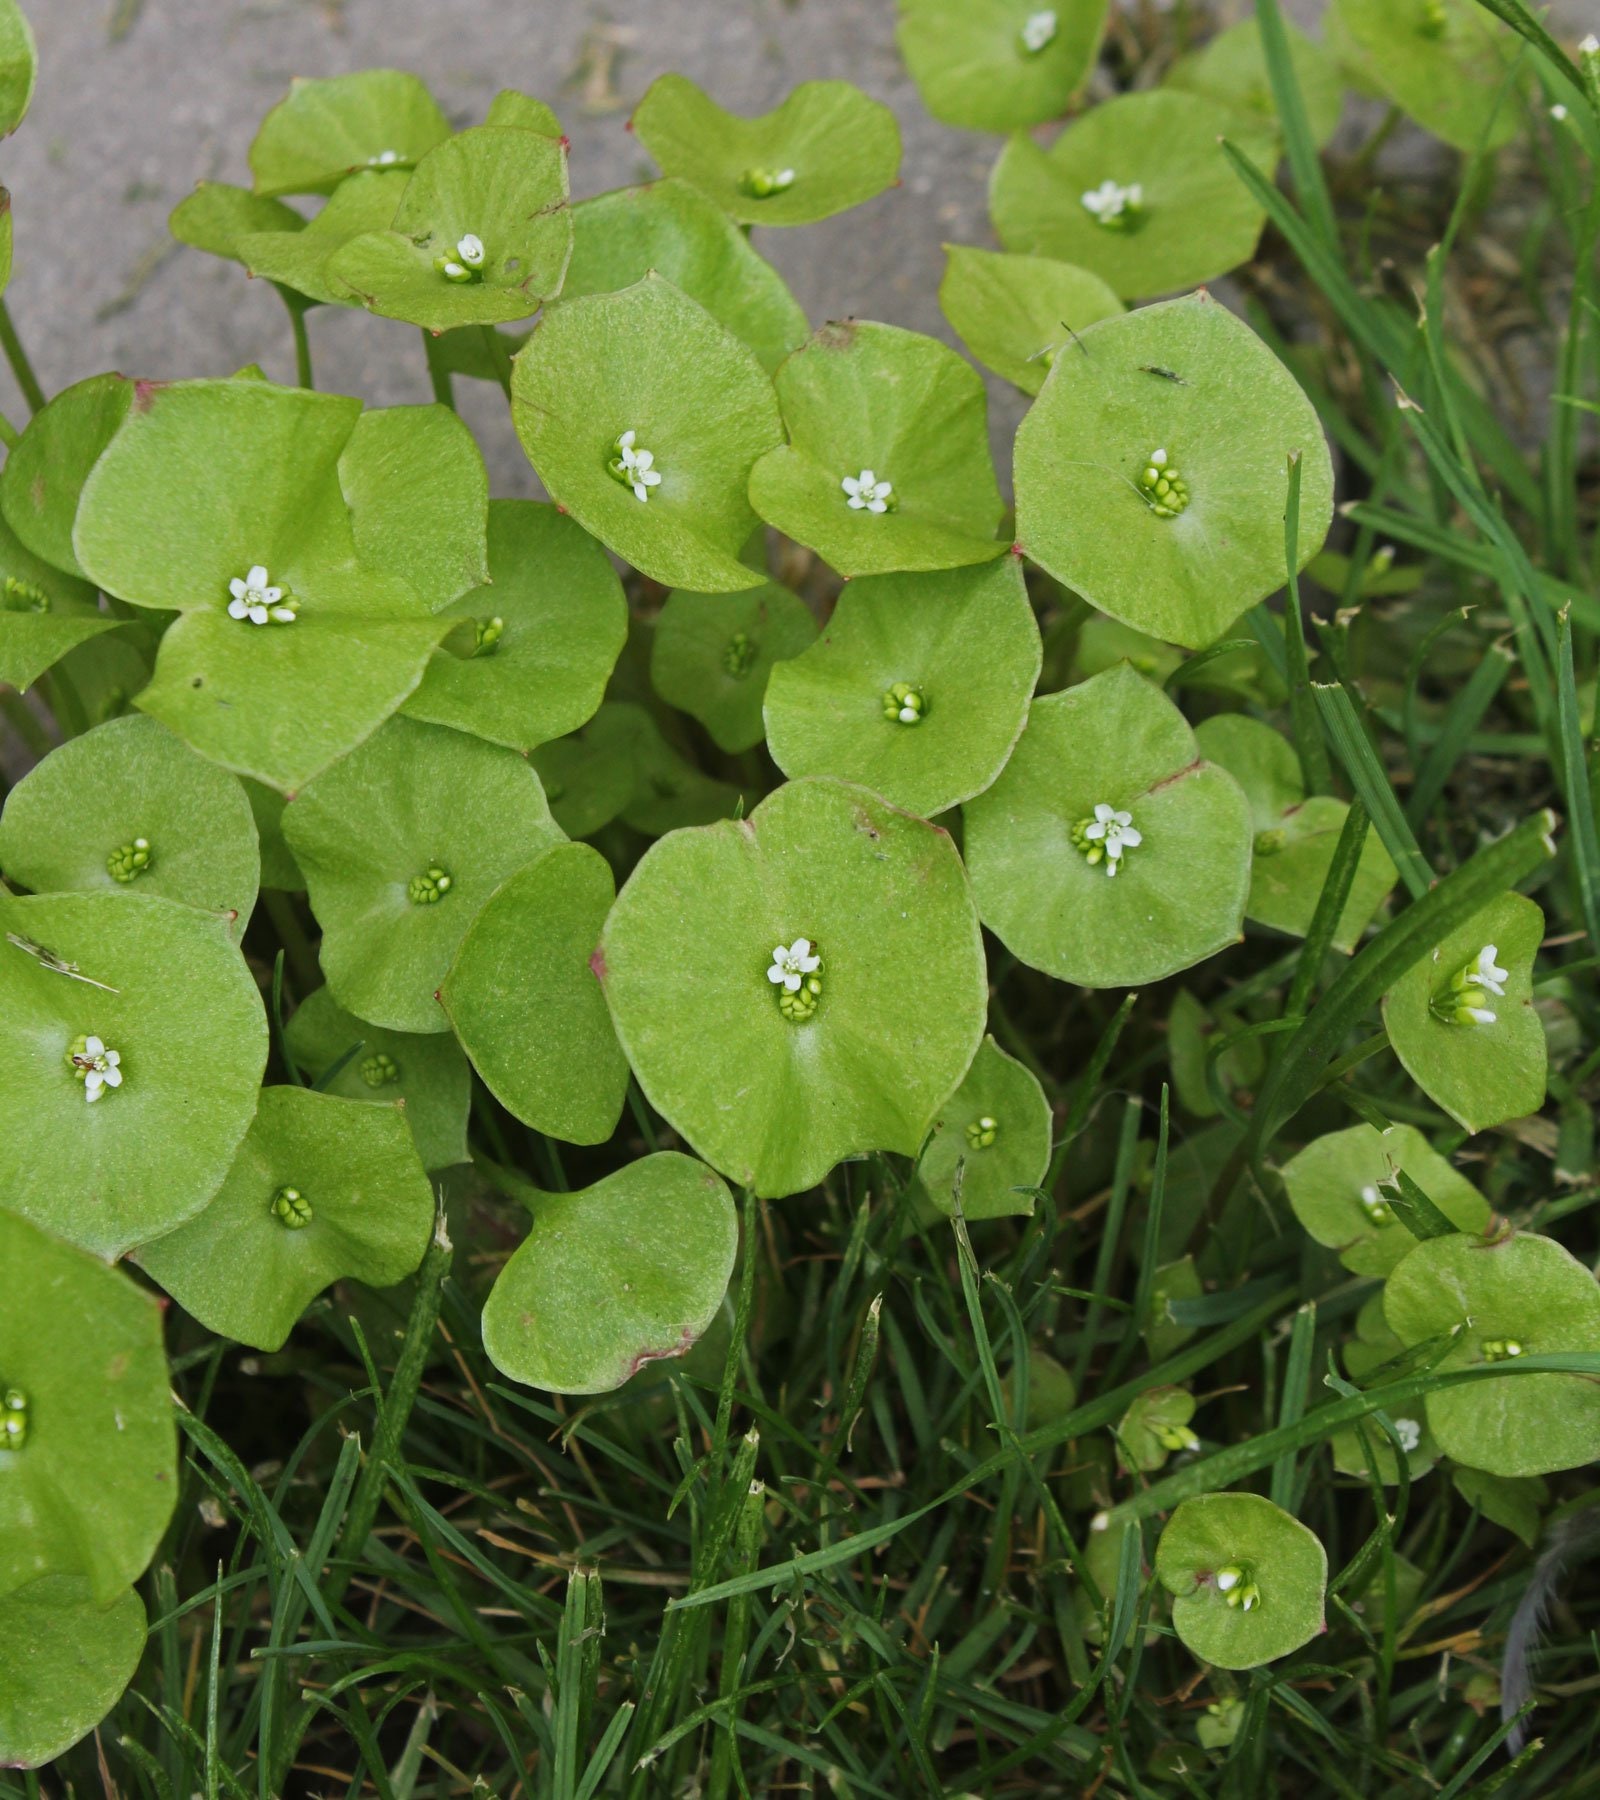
x=255 y=599
x=1111 y=200
x=1558 y=112
x=1479 y=1015
x=1590 y=46
x=1487 y=975
x=790 y=962
x=1409 y=1433
x=1229 y=1579
x=384 y=159
x=1115 y=831
x=470 y=250
x=866 y=492
x=1038 y=29
x=99 y=1066
x=635 y=468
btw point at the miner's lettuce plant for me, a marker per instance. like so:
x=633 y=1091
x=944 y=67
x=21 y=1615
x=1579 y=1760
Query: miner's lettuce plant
x=793 y=800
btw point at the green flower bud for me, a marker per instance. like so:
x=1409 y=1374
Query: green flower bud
x=739 y=655
x=1269 y=843
x=1502 y=1349
x=1377 y=1209
x=800 y=1005
x=981 y=1133
x=1175 y=1437
x=129 y=861
x=487 y=634
x=430 y=887
x=1236 y=1587
x=19 y=596
x=762 y=184
x=379 y=1070
x=1165 y=490
x=291 y=1208
x=1434 y=19
x=13 y=1419
x=904 y=704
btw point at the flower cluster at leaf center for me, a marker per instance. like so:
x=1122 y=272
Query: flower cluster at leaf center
x=1107 y=837
x=796 y=972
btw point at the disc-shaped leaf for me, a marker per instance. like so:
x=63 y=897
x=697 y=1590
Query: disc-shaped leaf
x=613 y=1277
x=1259 y=1546
x=19 y=68
x=44 y=613
x=990 y=1139
x=882 y=899
x=1295 y=836
x=1195 y=220
x=1014 y=313
x=402 y=842
x=865 y=400
x=146 y=813
x=428 y=1074
x=1480 y=1073
x=92 y=1485
x=64 y=1661
x=418 y=493
x=712 y=656
x=682 y=234
x=1334 y=1188
x=1442 y=61
x=1232 y=69
x=522 y=112
x=590 y=776
x=298 y=258
x=550 y=629
x=999 y=65
x=322 y=1189
x=525 y=1003
x=45 y=470
x=1189 y=380
x=1517 y=1296
x=1152 y=1427
x=649 y=361
x=322 y=130
x=218 y=217
x=1516 y=1503
x=507 y=189
x=1118 y=743
x=178 y=1005
x=825 y=149
x=957 y=651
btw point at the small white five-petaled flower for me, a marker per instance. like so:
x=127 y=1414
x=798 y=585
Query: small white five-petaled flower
x=1038 y=29
x=1487 y=975
x=1112 y=201
x=98 y=1066
x=867 y=493
x=791 y=963
x=1409 y=1433
x=635 y=468
x=1115 y=832
x=255 y=599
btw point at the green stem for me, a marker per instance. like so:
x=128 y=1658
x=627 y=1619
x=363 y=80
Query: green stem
x=18 y=358
x=498 y=356
x=438 y=374
x=302 y=346
x=8 y=433
x=291 y=934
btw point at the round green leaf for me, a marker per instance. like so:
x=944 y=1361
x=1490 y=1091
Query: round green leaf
x=1284 y=1561
x=1179 y=896
x=1188 y=378
x=64 y=1661
x=45 y=470
x=618 y=1275
x=775 y=1102
x=218 y=217
x=712 y=656
x=1198 y=219
x=862 y=398
x=427 y=1074
x=963 y=642
x=521 y=112
x=999 y=65
x=1154 y=1426
x=298 y=258
x=246 y=1273
x=1232 y=69
x=1519 y=1291
x=126 y=781
x=1481 y=1074
x=562 y=621
x=1516 y=1503
x=650 y=361
x=991 y=1138
x=91 y=1488
x=682 y=234
x=1333 y=1186
x=19 y=68
x=44 y=613
x=1449 y=79
x=508 y=189
x=1295 y=836
x=836 y=147
x=526 y=959
x=165 y=987
x=322 y=130
x=1014 y=313
x=590 y=776
x=416 y=810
